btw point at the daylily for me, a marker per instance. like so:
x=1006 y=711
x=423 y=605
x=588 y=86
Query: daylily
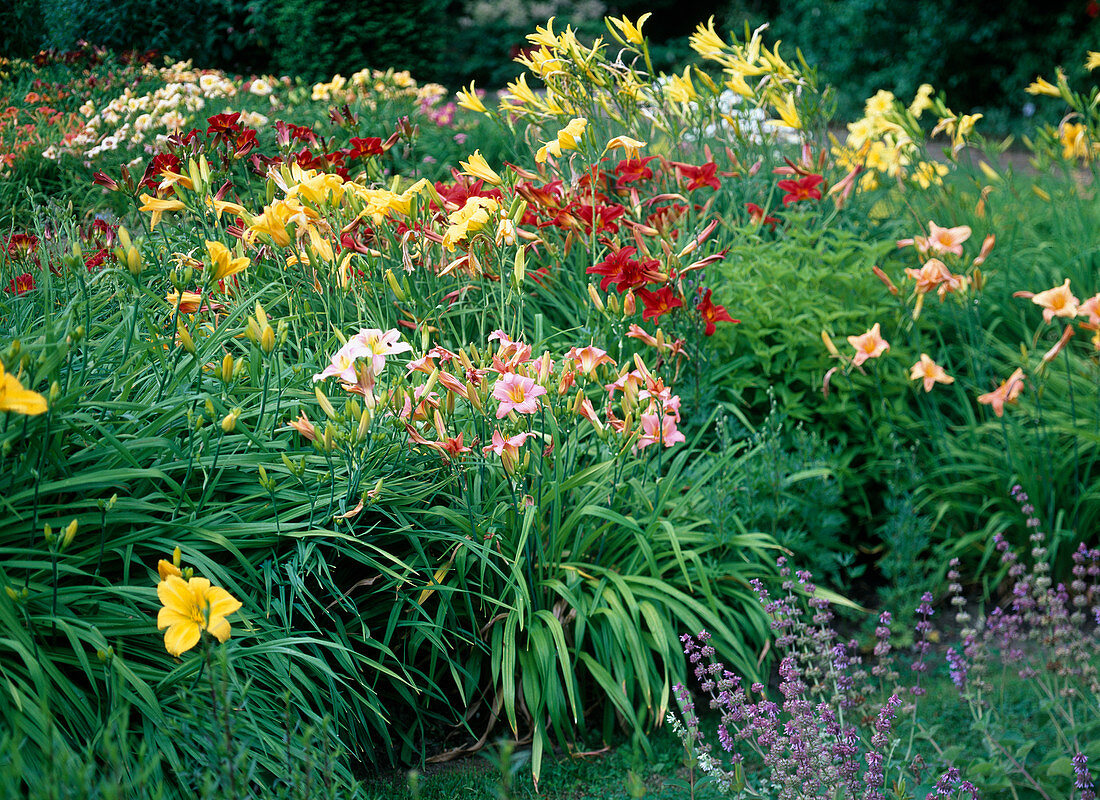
x=1043 y=86
x=712 y=314
x=588 y=358
x=802 y=189
x=13 y=397
x=657 y=304
x=1056 y=302
x=1007 y=392
x=568 y=138
x=658 y=429
x=947 y=240
x=376 y=345
x=478 y=167
x=189 y=608
x=517 y=393
x=758 y=216
x=222 y=266
x=158 y=206
x=869 y=345
x=631 y=146
x=342 y=365
x=469 y=99
x=630 y=31
x=507 y=449
x=930 y=372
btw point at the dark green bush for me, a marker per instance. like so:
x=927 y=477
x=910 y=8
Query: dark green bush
x=982 y=56
x=315 y=39
x=215 y=33
x=21 y=28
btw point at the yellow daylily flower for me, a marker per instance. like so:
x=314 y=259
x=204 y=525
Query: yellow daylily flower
x=630 y=31
x=191 y=607
x=568 y=138
x=221 y=263
x=468 y=99
x=478 y=167
x=1093 y=61
x=1043 y=86
x=13 y=397
x=471 y=218
x=922 y=101
x=158 y=205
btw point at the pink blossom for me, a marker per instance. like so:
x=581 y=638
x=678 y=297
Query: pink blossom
x=657 y=428
x=517 y=392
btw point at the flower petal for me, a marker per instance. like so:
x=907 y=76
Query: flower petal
x=181 y=637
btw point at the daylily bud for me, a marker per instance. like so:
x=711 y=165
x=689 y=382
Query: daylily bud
x=520 y=269
x=229 y=421
x=327 y=441
x=68 y=534
x=613 y=303
x=395 y=287
x=326 y=405
x=267 y=340
x=364 y=425
x=186 y=341
x=629 y=305
x=596 y=301
x=124 y=237
x=133 y=261
x=227 y=368
x=47 y=534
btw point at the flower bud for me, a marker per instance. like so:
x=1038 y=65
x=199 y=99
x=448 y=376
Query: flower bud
x=596 y=301
x=68 y=534
x=229 y=421
x=185 y=339
x=267 y=340
x=227 y=368
x=395 y=287
x=325 y=403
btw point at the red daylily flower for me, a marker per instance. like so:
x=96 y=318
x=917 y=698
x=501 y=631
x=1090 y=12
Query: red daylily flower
x=630 y=170
x=759 y=217
x=658 y=303
x=626 y=272
x=801 y=189
x=224 y=127
x=712 y=314
x=364 y=147
x=699 y=176
x=21 y=283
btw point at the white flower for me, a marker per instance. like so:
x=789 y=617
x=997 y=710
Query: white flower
x=260 y=87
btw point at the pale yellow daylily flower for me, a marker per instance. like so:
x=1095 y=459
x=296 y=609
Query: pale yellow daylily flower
x=568 y=138
x=1093 y=61
x=158 y=205
x=630 y=31
x=631 y=146
x=1043 y=86
x=468 y=99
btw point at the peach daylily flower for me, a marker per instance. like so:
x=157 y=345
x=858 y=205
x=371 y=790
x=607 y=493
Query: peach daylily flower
x=1007 y=392
x=1091 y=309
x=869 y=345
x=931 y=372
x=947 y=240
x=658 y=429
x=1057 y=302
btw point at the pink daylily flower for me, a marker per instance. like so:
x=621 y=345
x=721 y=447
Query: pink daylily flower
x=517 y=393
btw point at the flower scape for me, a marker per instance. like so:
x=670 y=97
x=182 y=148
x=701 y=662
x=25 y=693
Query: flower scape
x=517 y=421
